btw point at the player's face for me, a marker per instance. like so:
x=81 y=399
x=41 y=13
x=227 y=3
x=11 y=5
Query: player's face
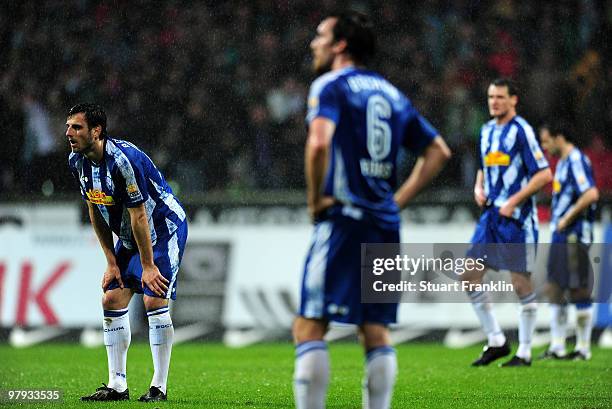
x=501 y=103
x=549 y=143
x=322 y=46
x=80 y=137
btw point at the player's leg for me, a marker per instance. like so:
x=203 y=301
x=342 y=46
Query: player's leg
x=381 y=366
x=330 y=292
x=581 y=286
x=557 y=283
x=161 y=336
x=558 y=321
x=523 y=287
x=581 y=297
x=497 y=345
x=311 y=375
x=167 y=257
x=484 y=234
x=117 y=337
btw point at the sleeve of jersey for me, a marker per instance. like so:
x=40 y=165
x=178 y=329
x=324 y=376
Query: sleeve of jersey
x=134 y=187
x=419 y=134
x=533 y=157
x=323 y=101
x=583 y=177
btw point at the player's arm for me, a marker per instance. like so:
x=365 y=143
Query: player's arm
x=427 y=166
x=105 y=237
x=589 y=197
x=320 y=134
x=479 y=193
x=142 y=235
x=537 y=182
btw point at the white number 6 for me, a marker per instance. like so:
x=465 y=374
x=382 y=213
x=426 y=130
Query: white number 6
x=379 y=131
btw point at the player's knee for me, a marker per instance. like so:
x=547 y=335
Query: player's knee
x=305 y=329
x=111 y=300
x=580 y=296
x=554 y=293
x=522 y=284
x=374 y=336
x=152 y=303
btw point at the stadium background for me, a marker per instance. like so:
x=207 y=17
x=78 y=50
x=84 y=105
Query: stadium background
x=215 y=93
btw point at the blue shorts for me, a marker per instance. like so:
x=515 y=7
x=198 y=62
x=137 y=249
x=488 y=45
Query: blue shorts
x=519 y=239
x=167 y=256
x=568 y=262
x=331 y=285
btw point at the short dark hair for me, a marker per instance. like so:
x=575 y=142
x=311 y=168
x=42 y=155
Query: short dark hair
x=358 y=31
x=94 y=116
x=559 y=128
x=506 y=82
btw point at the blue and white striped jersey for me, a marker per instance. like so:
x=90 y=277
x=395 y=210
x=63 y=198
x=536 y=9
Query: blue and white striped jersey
x=126 y=177
x=510 y=154
x=373 y=120
x=573 y=177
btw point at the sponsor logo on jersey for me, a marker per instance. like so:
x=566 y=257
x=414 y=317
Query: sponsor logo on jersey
x=497 y=158
x=98 y=197
x=556 y=186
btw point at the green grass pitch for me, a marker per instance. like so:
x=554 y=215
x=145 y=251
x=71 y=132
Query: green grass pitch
x=212 y=376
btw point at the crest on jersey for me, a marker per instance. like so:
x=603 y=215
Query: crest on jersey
x=133 y=191
x=556 y=186
x=497 y=158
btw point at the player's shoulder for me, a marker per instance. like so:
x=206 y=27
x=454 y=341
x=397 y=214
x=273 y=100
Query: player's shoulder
x=325 y=81
x=488 y=125
x=523 y=126
x=576 y=156
x=123 y=155
x=122 y=149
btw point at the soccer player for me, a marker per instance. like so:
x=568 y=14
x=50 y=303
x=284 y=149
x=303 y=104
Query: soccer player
x=357 y=122
x=512 y=169
x=573 y=214
x=128 y=196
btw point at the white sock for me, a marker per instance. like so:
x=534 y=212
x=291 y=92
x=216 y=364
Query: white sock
x=527 y=322
x=488 y=322
x=558 y=328
x=161 y=334
x=117 y=337
x=584 y=323
x=381 y=370
x=311 y=375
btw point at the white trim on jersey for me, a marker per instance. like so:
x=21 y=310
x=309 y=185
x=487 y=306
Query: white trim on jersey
x=314 y=281
x=173 y=256
x=340 y=180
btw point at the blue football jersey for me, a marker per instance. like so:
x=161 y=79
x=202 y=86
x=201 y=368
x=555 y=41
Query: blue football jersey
x=126 y=177
x=509 y=156
x=573 y=177
x=373 y=120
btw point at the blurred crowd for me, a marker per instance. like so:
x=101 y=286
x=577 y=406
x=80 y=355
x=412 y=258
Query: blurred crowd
x=215 y=91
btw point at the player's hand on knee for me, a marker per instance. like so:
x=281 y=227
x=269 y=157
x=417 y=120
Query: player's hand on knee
x=152 y=278
x=112 y=273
